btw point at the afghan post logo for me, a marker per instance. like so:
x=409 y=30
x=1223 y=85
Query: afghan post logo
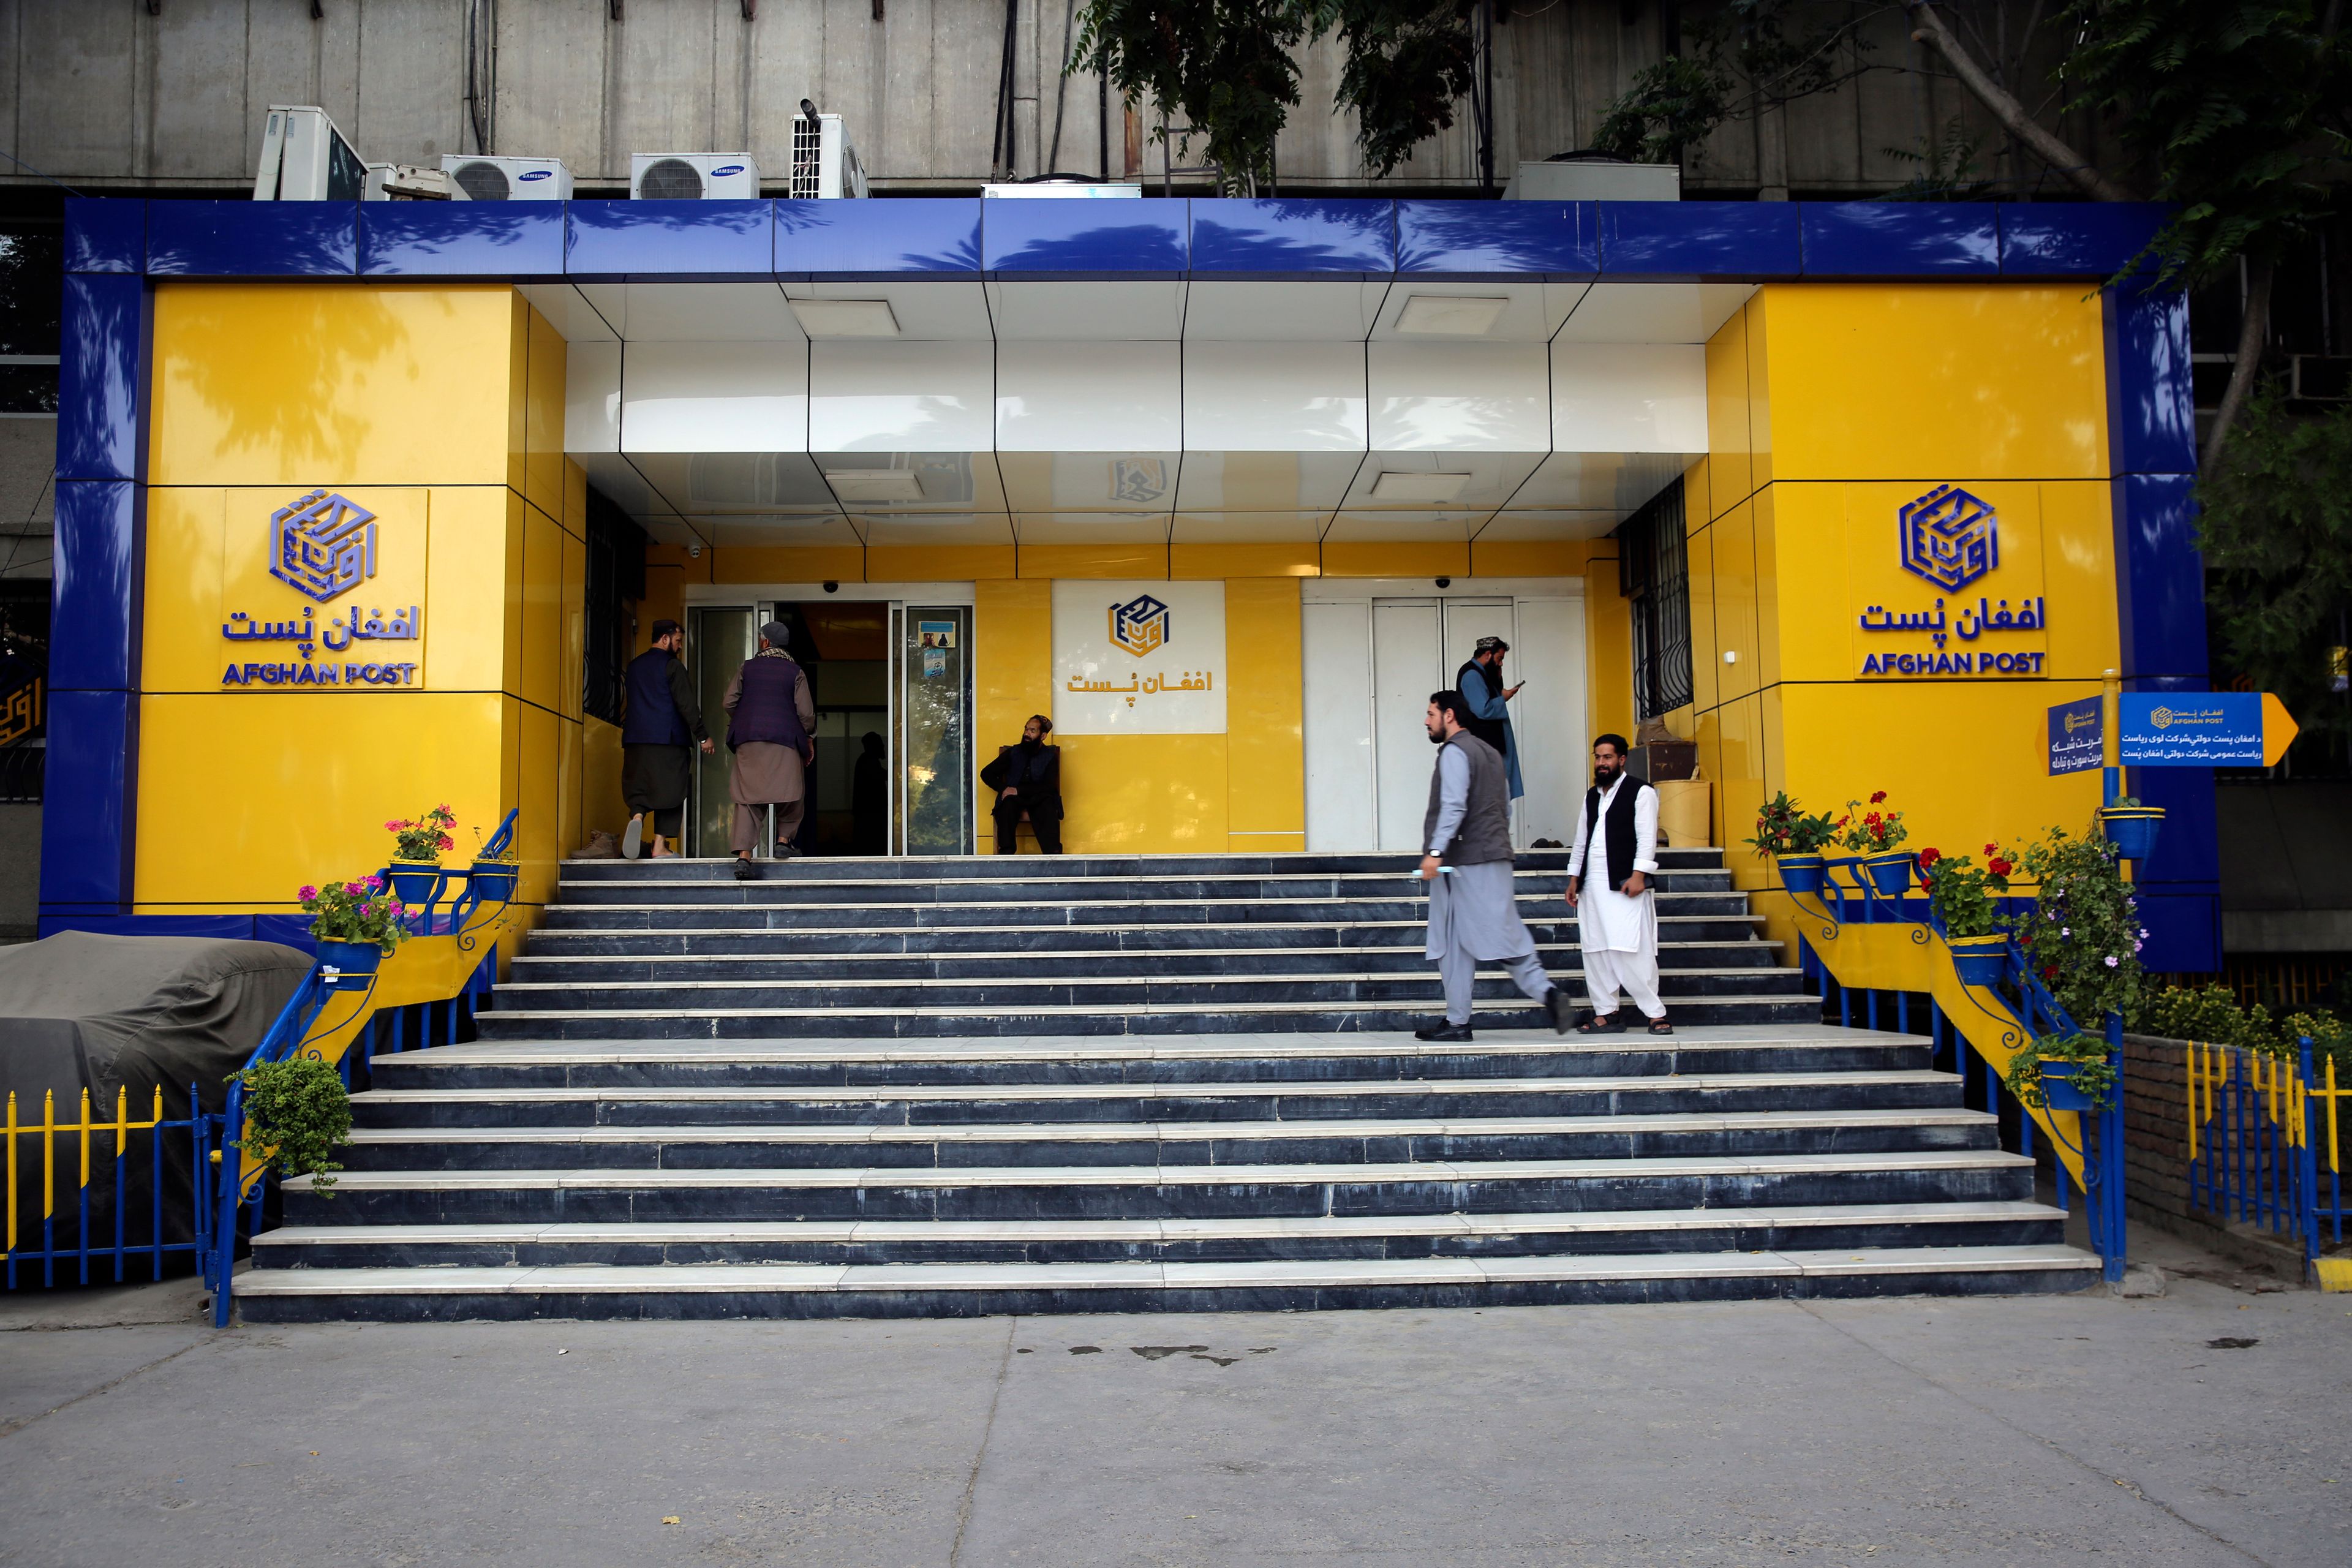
x=323 y=545
x=1948 y=537
x=1139 y=626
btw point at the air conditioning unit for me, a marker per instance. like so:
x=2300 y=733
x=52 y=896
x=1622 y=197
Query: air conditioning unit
x=405 y=183
x=693 y=176
x=481 y=178
x=825 y=165
x=305 y=159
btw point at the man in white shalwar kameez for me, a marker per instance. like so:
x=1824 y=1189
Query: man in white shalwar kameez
x=1609 y=874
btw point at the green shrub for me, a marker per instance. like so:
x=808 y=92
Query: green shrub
x=298 y=1114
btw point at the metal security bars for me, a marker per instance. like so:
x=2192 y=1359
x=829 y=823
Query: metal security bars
x=1654 y=573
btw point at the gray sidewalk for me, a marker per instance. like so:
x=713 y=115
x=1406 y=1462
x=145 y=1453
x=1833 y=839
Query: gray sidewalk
x=2023 y=1430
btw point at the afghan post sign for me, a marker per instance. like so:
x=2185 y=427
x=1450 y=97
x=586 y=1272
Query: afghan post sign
x=2202 y=730
x=1954 y=589
x=327 y=593
x=1139 y=658
x=2078 y=736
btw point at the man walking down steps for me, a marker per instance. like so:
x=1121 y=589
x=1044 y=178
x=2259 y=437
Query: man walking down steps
x=1474 y=914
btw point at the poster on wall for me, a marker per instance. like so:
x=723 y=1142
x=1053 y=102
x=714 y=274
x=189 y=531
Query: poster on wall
x=1139 y=658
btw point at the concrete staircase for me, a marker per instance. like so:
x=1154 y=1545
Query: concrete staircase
x=950 y=1087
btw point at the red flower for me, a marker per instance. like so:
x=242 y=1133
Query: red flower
x=1992 y=848
x=1928 y=857
x=1999 y=867
x=1879 y=796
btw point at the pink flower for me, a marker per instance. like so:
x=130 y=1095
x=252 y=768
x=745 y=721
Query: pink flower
x=375 y=882
x=355 y=889
x=309 y=893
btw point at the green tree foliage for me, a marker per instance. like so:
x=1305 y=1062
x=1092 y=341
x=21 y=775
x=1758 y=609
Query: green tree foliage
x=2277 y=529
x=1751 y=54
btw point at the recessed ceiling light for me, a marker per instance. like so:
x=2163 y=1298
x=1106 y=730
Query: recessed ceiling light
x=1447 y=316
x=845 y=318
x=875 y=484
x=1419 y=489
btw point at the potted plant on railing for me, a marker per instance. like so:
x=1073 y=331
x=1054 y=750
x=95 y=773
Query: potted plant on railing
x=2082 y=936
x=2063 y=1072
x=357 y=924
x=493 y=875
x=1874 y=835
x=1965 y=898
x=2131 y=826
x=416 y=848
x=1794 y=840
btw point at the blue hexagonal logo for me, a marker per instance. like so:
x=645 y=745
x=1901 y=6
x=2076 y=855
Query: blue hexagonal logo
x=322 y=545
x=1948 y=537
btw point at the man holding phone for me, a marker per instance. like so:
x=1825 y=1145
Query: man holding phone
x=1485 y=712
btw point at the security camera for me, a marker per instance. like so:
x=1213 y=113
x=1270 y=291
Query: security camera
x=1446 y=581
x=695 y=550
x=833 y=587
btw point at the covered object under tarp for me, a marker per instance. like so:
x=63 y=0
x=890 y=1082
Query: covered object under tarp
x=132 y=1012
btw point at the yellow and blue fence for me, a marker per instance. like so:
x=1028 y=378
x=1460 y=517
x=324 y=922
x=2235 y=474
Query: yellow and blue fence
x=96 y=1160
x=2266 y=1143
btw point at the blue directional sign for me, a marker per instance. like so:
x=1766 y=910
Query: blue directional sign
x=2193 y=730
x=2077 y=736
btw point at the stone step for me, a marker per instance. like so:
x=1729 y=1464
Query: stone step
x=929 y=1104
x=1160 y=1191
x=1008 y=893
x=1615 y=1232
x=1000 y=869
x=749 y=913
x=1081 y=1059
x=915 y=1021
x=801 y=1290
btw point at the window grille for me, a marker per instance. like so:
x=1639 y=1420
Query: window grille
x=808 y=143
x=1653 y=573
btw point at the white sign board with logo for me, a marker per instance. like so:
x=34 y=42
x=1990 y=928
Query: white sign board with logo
x=1139 y=658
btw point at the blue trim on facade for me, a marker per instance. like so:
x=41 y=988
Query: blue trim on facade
x=461 y=239
x=253 y=239
x=85 y=831
x=2151 y=413
x=2160 y=581
x=1084 y=238
x=2074 y=239
x=625 y=241
x=94 y=632
x=106 y=235
x=854 y=241
x=289 y=930
x=1234 y=237
x=103 y=330
x=1498 y=241
x=1698 y=241
x=1899 y=240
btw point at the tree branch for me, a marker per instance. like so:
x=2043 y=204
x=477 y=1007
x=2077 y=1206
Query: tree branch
x=2253 y=333
x=1927 y=27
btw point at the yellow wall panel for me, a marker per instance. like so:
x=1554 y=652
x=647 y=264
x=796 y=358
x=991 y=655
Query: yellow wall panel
x=1705 y=587
x=787 y=564
x=517 y=381
x=1046 y=560
x=1726 y=416
x=1434 y=558
x=1815 y=627
x=1531 y=558
x=1608 y=650
x=516 y=590
x=537 y=833
x=1144 y=794
x=937 y=562
x=1265 y=744
x=1696 y=508
x=467 y=589
x=575 y=498
x=1931 y=383
x=1760 y=394
x=1208 y=562
x=571 y=764
x=572 y=662
x=342 y=383
x=1765 y=513
x=544 y=415
x=542 y=610
x=600 y=790
x=2078 y=578
x=182 y=646
x=1012 y=673
x=1734 y=663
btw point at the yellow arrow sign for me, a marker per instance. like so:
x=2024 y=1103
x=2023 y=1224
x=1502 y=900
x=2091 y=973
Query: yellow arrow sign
x=2279 y=730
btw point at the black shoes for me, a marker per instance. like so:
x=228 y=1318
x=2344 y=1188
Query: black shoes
x=745 y=871
x=1441 y=1030
x=1556 y=1007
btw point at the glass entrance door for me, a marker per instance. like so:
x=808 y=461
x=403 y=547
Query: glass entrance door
x=719 y=637
x=933 y=791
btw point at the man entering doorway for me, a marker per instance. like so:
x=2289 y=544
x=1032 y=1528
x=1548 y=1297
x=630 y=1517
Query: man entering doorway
x=771 y=735
x=662 y=723
x=1485 y=705
x=1609 y=874
x=1474 y=913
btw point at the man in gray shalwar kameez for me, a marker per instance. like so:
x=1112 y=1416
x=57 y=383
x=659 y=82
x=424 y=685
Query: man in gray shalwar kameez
x=1474 y=913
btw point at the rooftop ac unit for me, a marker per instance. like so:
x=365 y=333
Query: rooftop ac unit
x=305 y=159
x=692 y=176
x=825 y=165
x=485 y=179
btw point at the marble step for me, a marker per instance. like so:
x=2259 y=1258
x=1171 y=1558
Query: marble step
x=610 y=1195
x=728 y=888
x=743 y=911
x=808 y=1291
x=931 y=1104
x=933 y=1020
x=1617 y=1232
x=1082 y=1059
x=997 y=868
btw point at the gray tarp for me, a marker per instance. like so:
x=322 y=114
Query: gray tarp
x=81 y=1011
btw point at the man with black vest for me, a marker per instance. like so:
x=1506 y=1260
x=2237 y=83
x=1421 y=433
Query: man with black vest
x=771 y=734
x=1609 y=874
x=1474 y=912
x=658 y=730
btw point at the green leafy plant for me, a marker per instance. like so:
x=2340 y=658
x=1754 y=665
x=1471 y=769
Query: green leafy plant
x=359 y=911
x=1964 y=893
x=424 y=839
x=1783 y=828
x=2083 y=935
x=509 y=855
x=1873 y=832
x=297 y=1114
x=2211 y=1016
x=2093 y=1073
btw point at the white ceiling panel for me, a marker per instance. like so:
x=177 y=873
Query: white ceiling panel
x=1459 y=397
x=696 y=312
x=1519 y=527
x=592 y=397
x=936 y=528
x=947 y=311
x=714 y=397
x=1091 y=481
x=1489 y=479
x=1142 y=310
x=617 y=479
x=1265 y=481
x=1275 y=397
x=1530 y=312
x=940 y=482
x=1341 y=310
x=1090 y=397
x=1628 y=397
x=699 y=484
x=569 y=313
x=1599 y=482
x=1653 y=312
x=868 y=397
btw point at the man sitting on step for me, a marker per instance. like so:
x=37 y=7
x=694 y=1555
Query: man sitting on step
x=1474 y=912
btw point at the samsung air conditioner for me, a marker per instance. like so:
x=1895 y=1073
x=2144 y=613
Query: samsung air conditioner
x=693 y=176
x=305 y=159
x=825 y=165
x=480 y=178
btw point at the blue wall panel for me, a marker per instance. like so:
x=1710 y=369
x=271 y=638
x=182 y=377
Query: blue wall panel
x=85 y=833
x=1083 y=237
x=461 y=239
x=93 y=639
x=253 y=239
x=1500 y=240
x=1336 y=238
x=102 y=348
x=2160 y=586
x=683 y=241
x=1900 y=240
x=2074 y=239
x=1683 y=241
x=851 y=240
x=2151 y=413
x=106 y=235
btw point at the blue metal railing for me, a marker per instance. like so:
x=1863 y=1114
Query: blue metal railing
x=2265 y=1144
x=81 y=1250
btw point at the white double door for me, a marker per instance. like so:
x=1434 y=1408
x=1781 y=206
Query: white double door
x=1371 y=664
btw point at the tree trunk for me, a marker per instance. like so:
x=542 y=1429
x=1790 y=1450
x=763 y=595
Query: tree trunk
x=1928 y=28
x=2253 y=334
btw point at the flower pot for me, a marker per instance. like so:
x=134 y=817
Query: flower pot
x=2132 y=828
x=413 y=882
x=1978 y=959
x=1801 y=873
x=2058 y=1087
x=356 y=961
x=1890 y=873
x=493 y=881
